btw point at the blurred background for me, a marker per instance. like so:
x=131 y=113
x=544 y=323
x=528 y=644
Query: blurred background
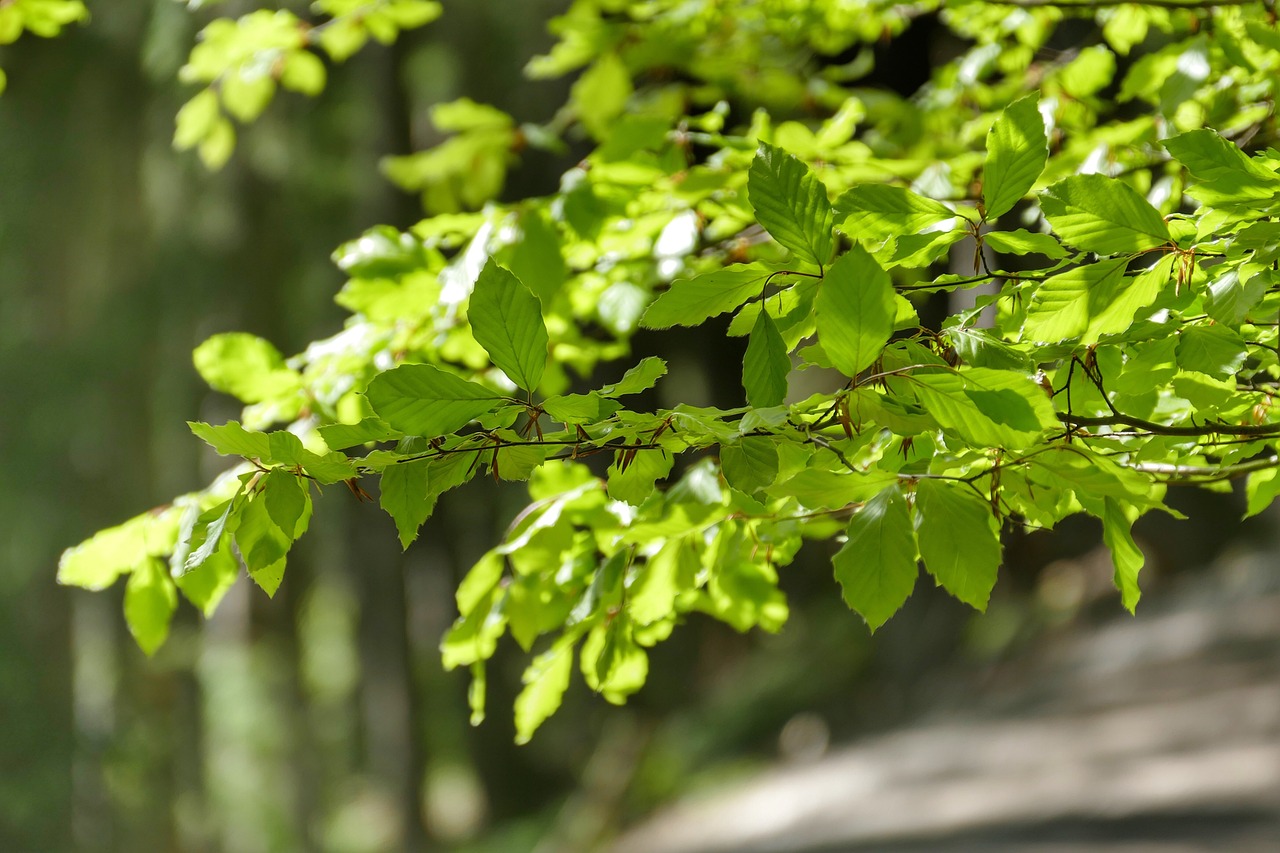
x=322 y=720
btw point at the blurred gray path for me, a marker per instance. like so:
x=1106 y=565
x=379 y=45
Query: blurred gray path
x=1155 y=733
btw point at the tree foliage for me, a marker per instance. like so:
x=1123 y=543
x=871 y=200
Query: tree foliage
x=1102 y=171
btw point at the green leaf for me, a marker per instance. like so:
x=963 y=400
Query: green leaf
x=476 y=692
x=96 y=563
x=262 y=543
x=693 y=301
x=474 y=636
x=601 y=93
x=368 y=430
x=1125 y=554
x=149 y=602
x=1260 y=490
x=231 y=439
x=876 y=567
x=586 y=408
x=1023 y=242
x=1223 y=174
x=651 y=597
x=406 y=497
x=288 y=502
x=479 y=583
x=987 y=408
x=1103 y=215
x=959 y=540
x=545 y=682
x=612 y=663
x=1091 y=70
x=464 y=114
x=246 y=367
x=791 y=203
x=421 y=399
x=1017 y=150
x=207 y=535
x=303 y=72
x=881 y=211
x=1215 y=350
x=765 y=365
x=639 y=378
x=1094 y=300
x=750 y=464
x=633 y=473
x=196 y=119
x=506 y=319
x=855 y=311
x=818 y=489
x=1230 y=301
x=206 y=584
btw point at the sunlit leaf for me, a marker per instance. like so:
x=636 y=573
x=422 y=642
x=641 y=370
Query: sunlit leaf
x=791 y=203
x=876 y=567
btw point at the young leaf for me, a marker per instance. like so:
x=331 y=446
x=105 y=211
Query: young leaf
x=959 y=540
x=474 y=636
x=639 y=378
x=405 y=497
x=855 y=311
x=1125 y=553
x=1216 y=350
x=207 y=535
x=652 y=596
x=545 y=682
x=750 y=464
x=876 y=567
x=506 y=319
x=1023 y=242
x=987 y=408
x=288 y=502
x=1103 y=215
x=342 y=436
x=245 y=366
x=692 y=301
x=231 y=439
x=206 y=584
x=149 y=602
x=765 y=365
x=1224 y=175
x=1017 y=150
x=421 y=399
x=1081 y=302
x=791 y=203
x=586 y=408
x=96 y=563
x=881 y=211
x=632 y=481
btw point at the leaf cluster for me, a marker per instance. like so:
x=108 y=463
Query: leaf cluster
x=1121 y=252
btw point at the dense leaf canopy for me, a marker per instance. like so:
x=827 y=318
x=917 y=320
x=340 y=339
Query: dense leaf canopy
x=1086 y=187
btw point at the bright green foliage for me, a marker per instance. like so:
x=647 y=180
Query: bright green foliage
x=243 y=62
x=877 y=565
x=854 y=311
x=1016 y=153
x=1125 y=337
x=507 y=321
x=791 y=204
x=44 y=18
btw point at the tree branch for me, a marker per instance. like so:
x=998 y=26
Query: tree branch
x=1260 y=431
x=1104 y=4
